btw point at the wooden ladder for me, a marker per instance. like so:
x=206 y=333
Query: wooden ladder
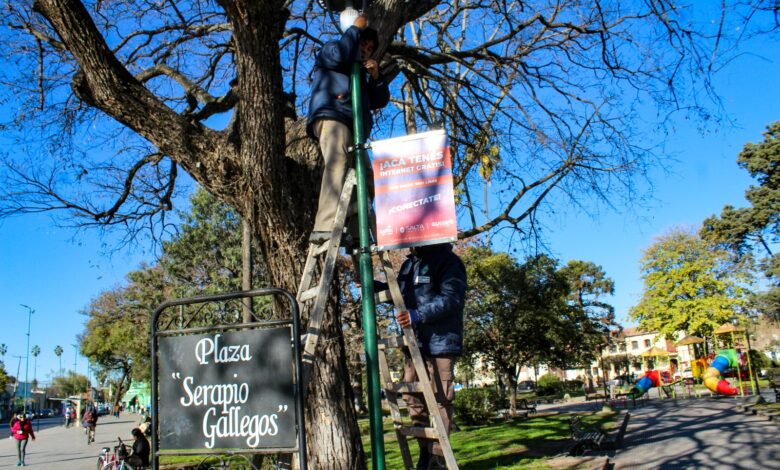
x=315 y=287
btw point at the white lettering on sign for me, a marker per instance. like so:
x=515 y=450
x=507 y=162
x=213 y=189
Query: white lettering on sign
x=235 y=424
x=420 y=162
x=221 y=403
x=211 y=348
x=415 y=203
x=219 y=394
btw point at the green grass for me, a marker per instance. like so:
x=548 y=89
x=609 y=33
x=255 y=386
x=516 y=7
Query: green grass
x=518 y=444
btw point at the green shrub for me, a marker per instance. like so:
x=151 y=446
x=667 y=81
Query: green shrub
x=476 y=405
x=549 y=384
x=574 y=385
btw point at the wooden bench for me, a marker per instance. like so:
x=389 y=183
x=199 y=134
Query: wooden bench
x=588 y=439
x=525 y=406
x=614 y=440
x=595 y=396
x=585 y=438
x=545 y=399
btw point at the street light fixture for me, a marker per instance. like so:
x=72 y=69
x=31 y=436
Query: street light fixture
x=30 y=311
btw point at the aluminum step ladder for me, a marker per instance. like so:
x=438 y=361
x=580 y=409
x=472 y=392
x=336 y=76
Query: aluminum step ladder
x=313 y=292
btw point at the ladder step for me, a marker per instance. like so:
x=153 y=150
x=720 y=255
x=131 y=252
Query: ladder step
x=418 y=431
x=392 y=342
x=382 y=297
x=320 y=248
x=405 y=387
x=309 y=294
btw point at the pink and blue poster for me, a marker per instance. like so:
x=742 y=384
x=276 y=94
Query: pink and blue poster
x=415 y=202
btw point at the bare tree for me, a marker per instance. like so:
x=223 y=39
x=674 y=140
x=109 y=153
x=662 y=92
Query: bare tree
x=117 y=104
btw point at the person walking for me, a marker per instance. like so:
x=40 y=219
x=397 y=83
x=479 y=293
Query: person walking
x=433 y=284
x=22 y=430
x=330 y=117
x=90 y=423
x=68 y=416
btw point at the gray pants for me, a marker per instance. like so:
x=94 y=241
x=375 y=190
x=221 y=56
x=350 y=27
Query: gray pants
x=441 y=371
x=335 y=139
x=21 y=448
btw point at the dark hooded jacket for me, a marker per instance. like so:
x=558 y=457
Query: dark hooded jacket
x=331 y=97
x=433 y=282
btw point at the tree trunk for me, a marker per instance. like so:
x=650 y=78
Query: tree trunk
x=512 y=396
x=246 y=265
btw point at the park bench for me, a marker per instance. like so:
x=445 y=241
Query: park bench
x=595 y=396
x=614 y=440
x=588 y=438
x=545 y=399
x=525 y=406
x=585 y=438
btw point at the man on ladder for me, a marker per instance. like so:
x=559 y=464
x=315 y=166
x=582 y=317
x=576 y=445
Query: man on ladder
x=433 y=283
x=330 y=111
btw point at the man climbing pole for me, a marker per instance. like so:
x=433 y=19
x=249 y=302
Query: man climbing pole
x=330 y=111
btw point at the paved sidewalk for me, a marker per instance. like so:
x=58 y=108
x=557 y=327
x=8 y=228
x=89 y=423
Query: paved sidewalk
x=57 y=447
x=706 y=433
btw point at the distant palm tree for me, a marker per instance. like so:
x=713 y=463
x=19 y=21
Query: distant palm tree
x=58 y=352
x=35 y=351
x=3 y=350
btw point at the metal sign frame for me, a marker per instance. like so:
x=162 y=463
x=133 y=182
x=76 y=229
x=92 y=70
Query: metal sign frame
x=298 y=373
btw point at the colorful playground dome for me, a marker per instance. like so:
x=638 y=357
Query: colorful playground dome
x=652 y=378
x=713 y=376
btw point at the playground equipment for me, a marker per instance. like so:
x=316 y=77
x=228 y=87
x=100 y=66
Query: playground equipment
x=693 y=360
x=712 y=377
x=739 y=341
x=652 y=378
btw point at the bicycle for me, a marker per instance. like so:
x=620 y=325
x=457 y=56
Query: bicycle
x=114 y=460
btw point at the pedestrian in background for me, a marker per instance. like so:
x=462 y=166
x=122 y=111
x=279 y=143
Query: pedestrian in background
x=90 y=423
x=22 y=431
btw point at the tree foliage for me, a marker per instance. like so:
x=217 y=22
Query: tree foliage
x=690 y=285
x=3 y=377
x=203 y=258
x=69 y=385
x=756 y=228
x=520 y=314
x=205 y=255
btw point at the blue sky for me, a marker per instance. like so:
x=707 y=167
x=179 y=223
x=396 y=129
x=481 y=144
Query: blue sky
x=57 y=275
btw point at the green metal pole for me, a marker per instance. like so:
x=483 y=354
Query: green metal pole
x=367 y=277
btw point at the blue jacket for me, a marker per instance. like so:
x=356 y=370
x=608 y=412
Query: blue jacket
x=433 y=282
x=331 y=97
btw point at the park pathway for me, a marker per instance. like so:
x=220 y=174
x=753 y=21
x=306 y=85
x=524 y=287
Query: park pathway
x=707 y=433
x=57 y=447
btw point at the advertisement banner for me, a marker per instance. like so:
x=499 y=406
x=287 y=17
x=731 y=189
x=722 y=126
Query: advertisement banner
x=415 y=201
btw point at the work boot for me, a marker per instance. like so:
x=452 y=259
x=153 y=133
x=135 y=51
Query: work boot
x=437 y=463
x=424 y=459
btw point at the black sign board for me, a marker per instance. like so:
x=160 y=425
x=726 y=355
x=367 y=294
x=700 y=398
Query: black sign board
x=227 y=390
